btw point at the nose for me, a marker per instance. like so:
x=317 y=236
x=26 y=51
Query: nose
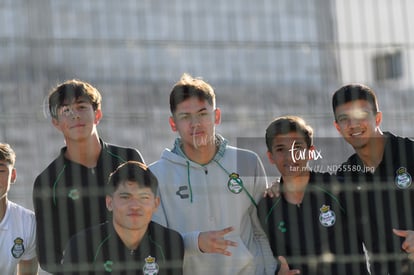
x=135 y=204
x=195 y=120
x=354 y=122
x=75 y=115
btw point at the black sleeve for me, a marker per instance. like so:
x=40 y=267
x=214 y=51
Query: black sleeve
x=48 y=243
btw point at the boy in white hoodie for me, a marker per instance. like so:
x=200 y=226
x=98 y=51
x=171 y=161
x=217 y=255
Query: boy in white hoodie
x=209 y=190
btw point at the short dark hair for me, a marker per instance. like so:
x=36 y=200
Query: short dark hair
x=352 y=92
x=188 y=87
x=132 y=171
x=285 y=125
x=7 y=154
x=70 y=90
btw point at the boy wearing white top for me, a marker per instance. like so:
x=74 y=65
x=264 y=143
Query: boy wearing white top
x=17 y=224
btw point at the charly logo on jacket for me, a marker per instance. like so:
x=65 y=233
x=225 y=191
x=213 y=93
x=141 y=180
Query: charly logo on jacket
x=108 y=266
x=182 y=192
x=18 y=248
x=327 y=217
x=150 y=267
x=403 y=179
x=74 y=194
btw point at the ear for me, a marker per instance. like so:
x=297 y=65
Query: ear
x=270 y=157
x=108 y=200
x=337 y=126
x=217 y=116
x=378 y=118
x=55 y=123
x=98 y=115
x=13 y=175
x=157 y=202
x=172 y=124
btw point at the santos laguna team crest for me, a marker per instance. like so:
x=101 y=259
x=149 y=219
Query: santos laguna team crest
x=403 y=179
x=18 y=248
x=327 y=217
x=151 y=267
x=235 y=184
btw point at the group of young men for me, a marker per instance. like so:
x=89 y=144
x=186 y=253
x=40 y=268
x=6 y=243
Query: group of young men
x=200 y=208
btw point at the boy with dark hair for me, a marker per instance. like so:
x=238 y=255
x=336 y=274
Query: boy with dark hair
x=209 y=190
x=302 y=223
x=130 y=243
x=17 y=224
x=68 y=195
x=380 y=175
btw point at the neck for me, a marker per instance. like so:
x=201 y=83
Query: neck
x=294 y=188
x=3 y=207
x=201 y=155
x=131 y=238
x=85 y=152
x=371 y=154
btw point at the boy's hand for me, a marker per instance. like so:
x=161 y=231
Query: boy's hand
x=273 y=190
x=408 y=244
x=214 y=242
x=284 y=267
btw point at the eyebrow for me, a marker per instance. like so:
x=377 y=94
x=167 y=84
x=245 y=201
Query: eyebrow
x=185 y=113
x=131 y=193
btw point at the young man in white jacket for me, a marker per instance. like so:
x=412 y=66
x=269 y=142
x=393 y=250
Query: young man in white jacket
x=209 y=190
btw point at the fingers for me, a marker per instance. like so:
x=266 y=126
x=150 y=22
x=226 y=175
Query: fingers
x=400 y=233
x=225 y=230
x=284 y=267
x=408 y=244
x=273 y=190
x=214 y=242
x=267 y=194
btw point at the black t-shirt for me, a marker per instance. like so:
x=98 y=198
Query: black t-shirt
x=99 y=250
x=310 y=235
x=69 y=197
x=380 y=201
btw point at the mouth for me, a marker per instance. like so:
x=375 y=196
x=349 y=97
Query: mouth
x=196 y=133
x=77 y=126
x=356 y=134
x=134 y=215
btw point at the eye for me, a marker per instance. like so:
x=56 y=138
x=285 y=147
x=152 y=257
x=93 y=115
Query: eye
x=65 y=110
x=184 y=117
x=343 y=119
x=83 y=106
x=203 y=114
x=280 y=149
x=124 y=196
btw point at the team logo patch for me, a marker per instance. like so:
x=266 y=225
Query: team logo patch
x=150 y=267
x=327 y=217
x=18 y=248
x=235 y=184
x=403 y=179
